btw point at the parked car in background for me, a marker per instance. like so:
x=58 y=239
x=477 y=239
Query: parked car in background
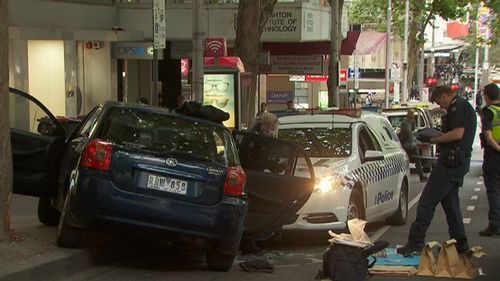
x=424 y=119
x=361 y=169
x=133 y=165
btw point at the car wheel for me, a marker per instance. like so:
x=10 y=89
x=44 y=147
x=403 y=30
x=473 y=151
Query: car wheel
x=68 y=236
x=219 y=262
x=401 y=215
x=355 y=208
x=47 y=214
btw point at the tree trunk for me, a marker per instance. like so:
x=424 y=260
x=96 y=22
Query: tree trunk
x=5 y=150
x=413 y=54
x=252 y=17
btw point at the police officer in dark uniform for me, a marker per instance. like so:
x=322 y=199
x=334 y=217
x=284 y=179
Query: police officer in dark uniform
x=490 y=120
x=455 y=144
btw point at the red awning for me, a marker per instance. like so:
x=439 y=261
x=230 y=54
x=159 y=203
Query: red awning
x=225 y=61
x=457 y=29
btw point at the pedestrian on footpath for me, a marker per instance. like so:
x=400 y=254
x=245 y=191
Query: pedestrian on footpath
x=490 y=120
x=410 y=143
x=455 y=144
x=263 y=109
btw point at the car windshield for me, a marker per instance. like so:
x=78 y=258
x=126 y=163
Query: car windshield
x=320 y=142
x=165 y=134
x=396 y=120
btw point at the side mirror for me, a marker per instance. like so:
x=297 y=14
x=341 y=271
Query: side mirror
x=373 y=155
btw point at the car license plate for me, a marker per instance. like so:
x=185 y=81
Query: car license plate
x=167 y=184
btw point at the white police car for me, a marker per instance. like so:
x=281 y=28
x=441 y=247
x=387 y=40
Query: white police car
x=361 y=169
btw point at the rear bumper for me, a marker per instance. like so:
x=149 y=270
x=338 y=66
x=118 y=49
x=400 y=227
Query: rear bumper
x=98 y=199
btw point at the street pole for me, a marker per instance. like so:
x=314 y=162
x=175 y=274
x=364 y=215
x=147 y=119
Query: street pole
x=476 y=76
x=388 y=53
x=476 y=68
x=405 y=53
x=486 y=65
x=420 y=74
x=154 y=95
x=431 y=61
x=159 y=38
x=333 y=85
x=198 y=50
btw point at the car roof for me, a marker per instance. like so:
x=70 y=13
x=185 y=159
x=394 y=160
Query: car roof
x=291 y=121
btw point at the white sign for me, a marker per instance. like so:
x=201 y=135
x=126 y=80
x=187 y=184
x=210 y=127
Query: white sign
x=297 y=64
x=284 y=24
x=159 y=24
x=396 y=70
x=425 y=95
x=297 y=78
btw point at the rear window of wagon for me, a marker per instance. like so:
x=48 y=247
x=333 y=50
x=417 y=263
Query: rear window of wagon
x=165 y=134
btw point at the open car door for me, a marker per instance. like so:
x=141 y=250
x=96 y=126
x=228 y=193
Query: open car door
x=280 y=179
x=37 y=145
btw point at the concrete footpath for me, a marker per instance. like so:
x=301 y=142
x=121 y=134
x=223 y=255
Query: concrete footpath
x=34 y=255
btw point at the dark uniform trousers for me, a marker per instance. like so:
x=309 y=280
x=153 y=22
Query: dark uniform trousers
x=442 y=187
x=491 y=176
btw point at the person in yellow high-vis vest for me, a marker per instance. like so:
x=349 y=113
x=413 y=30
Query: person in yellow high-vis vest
x=490 y=120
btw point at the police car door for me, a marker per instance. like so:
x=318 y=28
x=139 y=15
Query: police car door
x=372 y=173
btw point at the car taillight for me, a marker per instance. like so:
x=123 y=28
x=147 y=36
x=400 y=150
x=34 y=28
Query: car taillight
x=235 y=182
x=97 y=155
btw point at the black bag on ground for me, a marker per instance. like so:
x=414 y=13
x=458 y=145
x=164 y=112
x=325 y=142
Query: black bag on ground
x=343 y=262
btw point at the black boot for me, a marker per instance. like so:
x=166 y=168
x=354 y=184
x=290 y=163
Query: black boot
x=489 y=231
x=409 y=249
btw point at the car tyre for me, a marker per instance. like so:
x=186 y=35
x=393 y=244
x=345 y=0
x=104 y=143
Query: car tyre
x=217 y=261
x=68 y=236
x=401 y=215
x=47 y=214
x=356 y=208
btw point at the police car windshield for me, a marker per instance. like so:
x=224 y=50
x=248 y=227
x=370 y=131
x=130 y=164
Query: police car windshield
x=320 y=142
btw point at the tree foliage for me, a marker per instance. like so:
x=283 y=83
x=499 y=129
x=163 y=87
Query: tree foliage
x=421 y=15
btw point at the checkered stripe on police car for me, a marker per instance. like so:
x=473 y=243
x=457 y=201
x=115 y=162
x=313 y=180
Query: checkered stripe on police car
x=373 y=172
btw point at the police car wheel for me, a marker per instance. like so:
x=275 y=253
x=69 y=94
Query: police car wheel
x=355 y=208
x=401 y=215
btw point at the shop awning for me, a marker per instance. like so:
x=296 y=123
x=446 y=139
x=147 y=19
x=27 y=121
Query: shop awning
x=364 y=43
x=234 y=62
x=456 y=29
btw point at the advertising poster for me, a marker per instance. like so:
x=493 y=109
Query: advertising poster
x=219 y=91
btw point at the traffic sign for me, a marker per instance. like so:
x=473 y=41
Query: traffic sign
x=396 y=70
x=343 y=75
x=351 y=73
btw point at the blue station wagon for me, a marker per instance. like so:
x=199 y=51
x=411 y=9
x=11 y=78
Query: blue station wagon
x=143 y=167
